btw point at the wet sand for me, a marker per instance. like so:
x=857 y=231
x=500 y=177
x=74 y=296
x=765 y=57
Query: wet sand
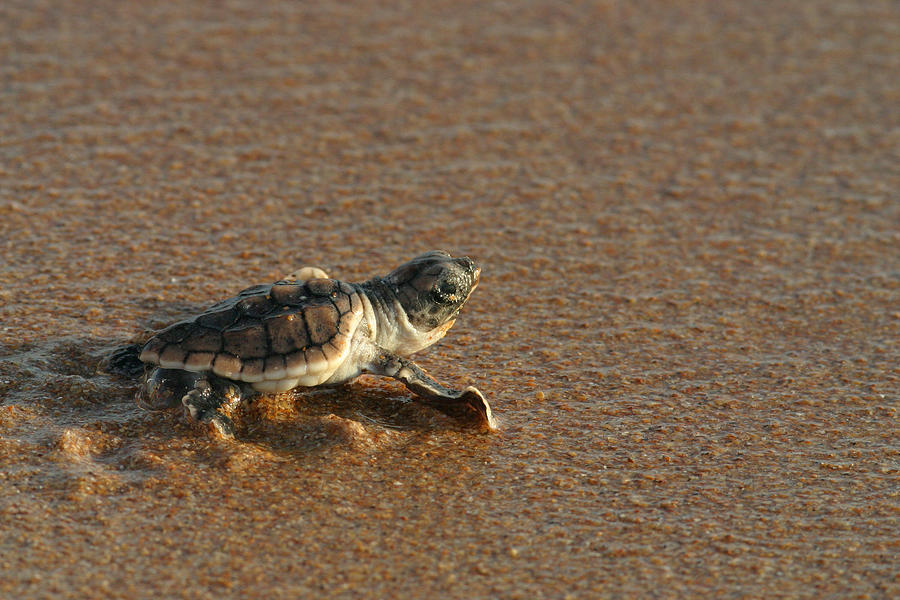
x=687 y=323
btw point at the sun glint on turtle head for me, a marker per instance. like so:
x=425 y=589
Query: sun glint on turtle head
x=433 y=287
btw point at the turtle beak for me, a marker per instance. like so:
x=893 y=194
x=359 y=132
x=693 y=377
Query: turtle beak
x=471 y=267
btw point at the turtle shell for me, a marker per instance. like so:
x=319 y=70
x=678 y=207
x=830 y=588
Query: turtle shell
x=273 y=337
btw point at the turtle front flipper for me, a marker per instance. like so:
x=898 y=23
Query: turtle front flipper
x=434 y=394
x=211 y=401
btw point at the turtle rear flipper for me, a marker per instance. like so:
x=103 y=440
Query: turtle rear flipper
x=123 y=361
x=211 y=401
x=467 y=403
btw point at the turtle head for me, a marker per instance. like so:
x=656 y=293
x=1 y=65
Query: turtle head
x=432 y=289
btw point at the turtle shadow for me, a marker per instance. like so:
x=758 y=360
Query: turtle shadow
x=363 y=415
x=58 y=397
x=306 y=427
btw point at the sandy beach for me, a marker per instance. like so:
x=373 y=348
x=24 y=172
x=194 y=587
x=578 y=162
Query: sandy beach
x=688 y=223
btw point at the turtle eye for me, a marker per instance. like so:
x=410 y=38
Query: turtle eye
x=444 y=293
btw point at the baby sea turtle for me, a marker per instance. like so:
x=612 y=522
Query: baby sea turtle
x=309 y=330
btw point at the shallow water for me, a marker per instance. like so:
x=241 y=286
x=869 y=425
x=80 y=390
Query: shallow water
x=686 y=216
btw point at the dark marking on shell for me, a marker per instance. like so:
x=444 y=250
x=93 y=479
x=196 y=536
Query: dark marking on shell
x=287 y=333
x=176 y=333
x=219 y=319
x=320 y=287
x=250 y=342
x=255 y=307
x=290 y=294
x=203 y=339
x=341 y=303
x=322 y=322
